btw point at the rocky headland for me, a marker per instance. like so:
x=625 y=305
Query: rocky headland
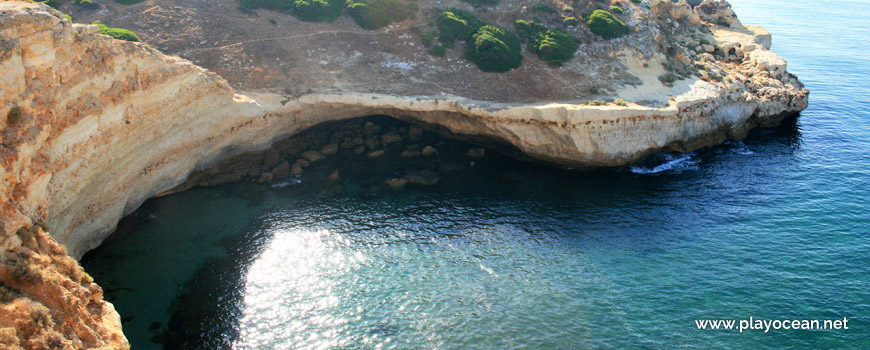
x=93 y=126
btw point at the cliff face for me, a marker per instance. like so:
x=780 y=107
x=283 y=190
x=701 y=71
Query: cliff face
x=94 y=126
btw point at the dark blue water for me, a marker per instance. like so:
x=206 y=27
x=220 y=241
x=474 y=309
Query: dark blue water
x=504 y=254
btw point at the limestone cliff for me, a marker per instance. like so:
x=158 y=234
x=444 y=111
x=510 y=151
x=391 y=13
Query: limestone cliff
x=93 y=126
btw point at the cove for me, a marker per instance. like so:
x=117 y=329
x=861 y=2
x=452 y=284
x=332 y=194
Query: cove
x=498 y=253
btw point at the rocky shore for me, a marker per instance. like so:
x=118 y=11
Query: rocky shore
x=93 y=126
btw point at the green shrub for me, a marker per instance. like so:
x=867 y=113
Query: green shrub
x=457 y=24
x=374 y=14
x=616 y=9
x=571 y=21
x=494 y=49
x=438 y=51
x=553 y=46
x=426 y=37
x=304 y=10
x=316 y=10
x=86 y=4
x=541 y=8
x=605 y=25
x=482 y=2
x=117 y=33
x=52 y=3
x=636 y=1
x=668 y=78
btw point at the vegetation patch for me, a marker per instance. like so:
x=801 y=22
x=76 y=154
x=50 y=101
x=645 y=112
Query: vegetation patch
x=605 y=25
x=437 y=50
x=541 y=8
x=552 y=46
x=117 y=33
x=304 y=10
x=494 y=49
x=491 y=47
x=426 y=37
x=457 y=24
x=482 y=2
x=616 y=9
x=571 y=21
x=374 y=14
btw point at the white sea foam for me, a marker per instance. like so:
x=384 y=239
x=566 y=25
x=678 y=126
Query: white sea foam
x=675 y=164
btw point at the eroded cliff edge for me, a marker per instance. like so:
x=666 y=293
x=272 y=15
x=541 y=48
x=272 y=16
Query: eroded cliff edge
x=94 y=126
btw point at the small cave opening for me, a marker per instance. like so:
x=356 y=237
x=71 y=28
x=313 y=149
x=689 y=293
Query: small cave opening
x=384 y=152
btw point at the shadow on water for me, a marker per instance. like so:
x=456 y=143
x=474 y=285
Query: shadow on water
x=209 y=305
x=208 y=308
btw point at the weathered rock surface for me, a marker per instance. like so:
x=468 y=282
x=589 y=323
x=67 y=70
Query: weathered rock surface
x=101 y=125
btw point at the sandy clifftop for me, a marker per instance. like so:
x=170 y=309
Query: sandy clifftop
x=92 y=127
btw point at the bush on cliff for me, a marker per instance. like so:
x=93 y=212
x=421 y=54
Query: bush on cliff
x=482 y=2
x=606 y=25
x=304 y=10
x=86 y=4
x=494 y=49
x=374 y=14
x=117 y=33
x=457 y=24
x=316 y=10
x=552 y=46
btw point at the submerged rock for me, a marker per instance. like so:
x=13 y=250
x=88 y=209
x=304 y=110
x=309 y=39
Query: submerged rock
x=422 y=177
x=372 y=143
x=313 y=156
x=328 y=150
x=333 y=176
x=376 y=154
x=389 y=138
x=266 y=177
x=429 y=150
x=281 y=170
x=397 y=182
x=370 y=129
x=271 y=159
x=475 y=153
x=449 y=167
x=410 y=153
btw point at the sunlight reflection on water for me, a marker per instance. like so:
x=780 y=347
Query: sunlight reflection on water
x=291 y=288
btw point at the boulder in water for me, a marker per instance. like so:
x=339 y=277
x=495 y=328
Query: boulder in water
x=312 y=156
x=397 y=182
x=429 y=150
x=281 y=170
x=475 y=153
x=328 y=150
x=410 y=153
x=422 y=177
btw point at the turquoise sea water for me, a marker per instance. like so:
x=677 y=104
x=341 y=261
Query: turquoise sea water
x=503 y=254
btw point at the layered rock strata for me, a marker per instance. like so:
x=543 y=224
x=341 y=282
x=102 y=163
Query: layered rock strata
x=92 y=127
